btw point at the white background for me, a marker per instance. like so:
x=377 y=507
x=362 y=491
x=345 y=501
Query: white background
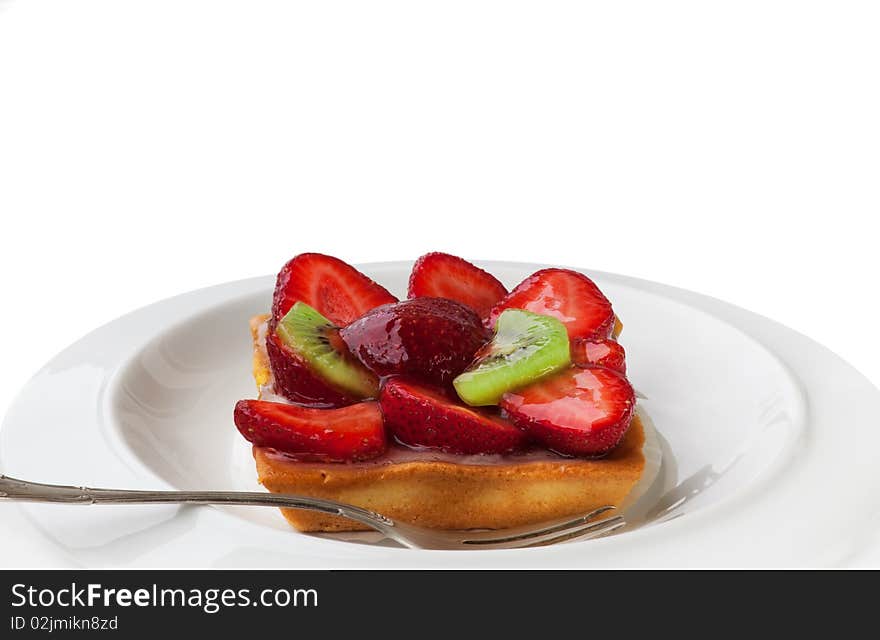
x=150 y=148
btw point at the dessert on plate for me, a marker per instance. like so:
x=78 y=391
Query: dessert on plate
x=464 y=406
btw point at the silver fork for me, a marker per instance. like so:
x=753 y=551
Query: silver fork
x=583 y=527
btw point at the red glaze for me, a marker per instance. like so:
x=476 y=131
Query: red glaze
x=569 y=296
x=600 y=352
x=329 y=435
x=335 y=289
x=431 y=339
x=578 y=412
x=419 y=416
x=440 y=275
x=298 y=382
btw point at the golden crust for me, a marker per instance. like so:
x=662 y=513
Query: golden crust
x=448 y=495
x=618 y=328
x=261 y=369
x=451 y=495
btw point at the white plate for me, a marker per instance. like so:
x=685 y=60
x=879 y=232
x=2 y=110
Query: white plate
x=769 y=441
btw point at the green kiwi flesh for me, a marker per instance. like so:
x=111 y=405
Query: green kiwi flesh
x=314 y=338
x=526 y=347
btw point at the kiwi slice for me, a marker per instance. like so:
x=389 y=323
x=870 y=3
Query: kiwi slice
x=527 y=346
x=314 y=338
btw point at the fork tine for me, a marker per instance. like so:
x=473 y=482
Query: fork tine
x=589 y=530
x=491 y=537
x=593 y=530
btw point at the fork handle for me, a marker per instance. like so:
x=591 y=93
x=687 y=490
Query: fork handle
x=25 y=491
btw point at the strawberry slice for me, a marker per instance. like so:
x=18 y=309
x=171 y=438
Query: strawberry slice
x=567 y=295
x=335 y=289
x=579 y=412
x=601 y=352
x=325 y=435
x=440 y=275
x=432 y=339
x=422 y=417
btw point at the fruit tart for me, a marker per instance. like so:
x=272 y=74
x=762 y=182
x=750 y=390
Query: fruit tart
x=464 y=406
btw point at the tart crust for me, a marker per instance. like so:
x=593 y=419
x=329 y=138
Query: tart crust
x=450 y=495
